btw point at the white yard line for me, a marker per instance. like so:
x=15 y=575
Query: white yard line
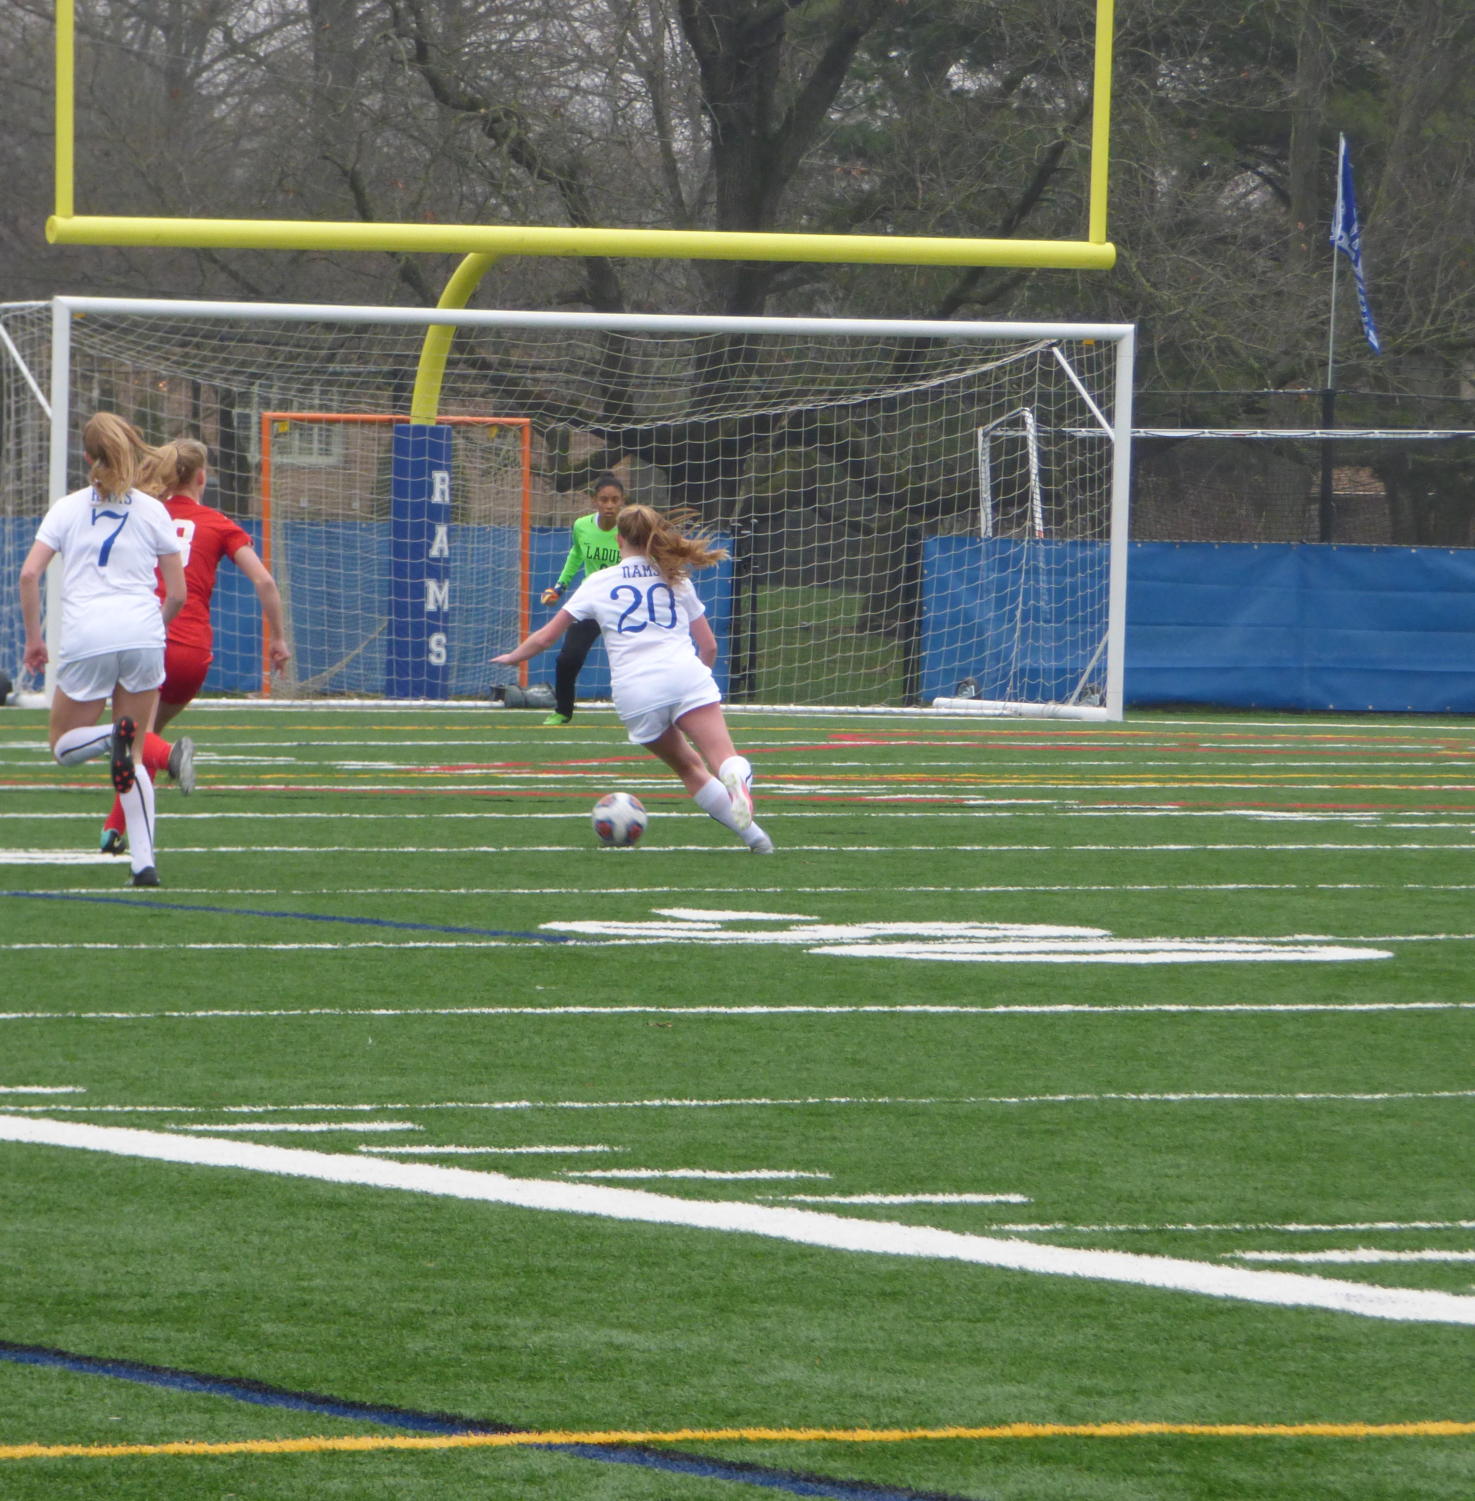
x=797 y=1226
x=1023 y=1008
x=905 y=1198
x=1395 y=1227
x=584 y=847
x=741 y=1175
x=539 y=1151
x=1359 y=1256
x=764 y=1102
x=305 y=1126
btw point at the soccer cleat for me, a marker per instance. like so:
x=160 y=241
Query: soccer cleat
x=113 y=842
x=122 y=755
x=557 y=721
x=182 y=764
x=763 y=847
x=741 y=796
x=148 y=876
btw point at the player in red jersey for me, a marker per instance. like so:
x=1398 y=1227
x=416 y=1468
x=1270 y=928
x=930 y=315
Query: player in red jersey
x=207 y=536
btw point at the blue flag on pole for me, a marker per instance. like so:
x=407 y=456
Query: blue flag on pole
x=1347 y=237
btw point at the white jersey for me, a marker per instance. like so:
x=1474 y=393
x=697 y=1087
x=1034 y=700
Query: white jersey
x=109 y=546
x=646 y=624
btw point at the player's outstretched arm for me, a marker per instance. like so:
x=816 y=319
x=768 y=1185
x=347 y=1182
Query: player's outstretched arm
x=270 y=599
x=539 y=641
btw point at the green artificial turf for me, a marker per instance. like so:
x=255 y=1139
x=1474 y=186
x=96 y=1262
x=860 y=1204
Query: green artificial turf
x=359 y=926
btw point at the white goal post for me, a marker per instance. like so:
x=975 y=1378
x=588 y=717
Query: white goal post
x=910 y=507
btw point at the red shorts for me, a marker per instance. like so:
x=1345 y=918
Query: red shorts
x=184 y=672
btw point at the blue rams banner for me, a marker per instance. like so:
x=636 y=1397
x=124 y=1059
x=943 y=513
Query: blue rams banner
x=1347 y=237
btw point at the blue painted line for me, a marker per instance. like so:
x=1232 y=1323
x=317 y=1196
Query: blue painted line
x=362 y=922
x=790 y=1482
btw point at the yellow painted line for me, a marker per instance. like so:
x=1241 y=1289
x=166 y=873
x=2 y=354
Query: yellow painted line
x=362 y=1443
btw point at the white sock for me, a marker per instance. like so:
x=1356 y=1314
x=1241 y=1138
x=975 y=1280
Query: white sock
x=714 y=801
x=77 y=746
x=138 y=814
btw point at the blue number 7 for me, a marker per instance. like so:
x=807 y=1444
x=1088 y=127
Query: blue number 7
x=107 y=546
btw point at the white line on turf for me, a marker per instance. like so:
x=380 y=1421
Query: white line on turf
x=803 y=1227
x=305 y=1126
x=904 y=1198
x=687 y=889
x=398 y=943
x=761 y=1102
x=548 y=1151
x=1359 y=1256
x=977 y=809
x=756 y=1174
x=1258 y=1228
x=73 y=857
x=42 y=1089
x=1022 y=1008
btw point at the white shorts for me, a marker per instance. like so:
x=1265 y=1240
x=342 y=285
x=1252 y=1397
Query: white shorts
x=90 y=678
x=650 y=724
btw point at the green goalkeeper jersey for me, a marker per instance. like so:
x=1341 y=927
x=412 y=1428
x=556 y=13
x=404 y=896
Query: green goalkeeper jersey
x=592 y=550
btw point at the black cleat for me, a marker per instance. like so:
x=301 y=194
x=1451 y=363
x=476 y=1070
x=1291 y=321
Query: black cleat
x=122 y=757
x=113 y=842
x=148 y=876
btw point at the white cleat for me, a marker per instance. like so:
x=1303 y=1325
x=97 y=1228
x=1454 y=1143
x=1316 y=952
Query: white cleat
x=740 y=794
x=764 y=846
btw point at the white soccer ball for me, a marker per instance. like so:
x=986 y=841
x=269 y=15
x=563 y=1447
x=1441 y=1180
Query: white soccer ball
x=619 y=820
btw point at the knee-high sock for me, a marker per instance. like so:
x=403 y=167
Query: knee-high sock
x=87 y=744
x=155 y=759
x=715 y=803
x=138 y=810
x=155 y=753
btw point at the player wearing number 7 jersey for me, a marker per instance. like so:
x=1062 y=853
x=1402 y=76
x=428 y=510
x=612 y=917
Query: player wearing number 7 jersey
x=110 y=537
x=661 y=650
x=207 y=536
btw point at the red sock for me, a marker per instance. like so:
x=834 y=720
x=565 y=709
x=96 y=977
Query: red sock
x=156 y=754
x=115 y=819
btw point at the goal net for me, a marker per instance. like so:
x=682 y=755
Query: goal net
x=914 y=513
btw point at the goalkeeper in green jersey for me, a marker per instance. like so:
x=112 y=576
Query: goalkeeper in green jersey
x=596 y=545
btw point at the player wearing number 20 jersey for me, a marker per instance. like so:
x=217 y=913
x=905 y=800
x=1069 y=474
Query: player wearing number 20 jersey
x=646 y=624
x=661 y=650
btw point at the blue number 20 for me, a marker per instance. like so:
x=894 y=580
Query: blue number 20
x=648 y=597
x=107 y=546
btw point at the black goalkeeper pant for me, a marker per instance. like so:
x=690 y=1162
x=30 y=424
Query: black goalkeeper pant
x=577 y=641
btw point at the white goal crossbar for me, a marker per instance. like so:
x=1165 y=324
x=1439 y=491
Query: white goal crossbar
x=881 y=551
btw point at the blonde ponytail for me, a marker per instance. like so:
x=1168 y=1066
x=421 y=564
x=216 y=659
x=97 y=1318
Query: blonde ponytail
x=672 y=553
x=121 y=461
x=174 y=465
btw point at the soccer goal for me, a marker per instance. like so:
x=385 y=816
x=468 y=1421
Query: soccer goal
x=911 y=509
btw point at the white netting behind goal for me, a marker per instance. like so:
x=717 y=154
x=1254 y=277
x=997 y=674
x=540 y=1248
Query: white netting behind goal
x=906 y=510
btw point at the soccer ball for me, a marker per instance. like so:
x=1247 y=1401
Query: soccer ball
x=619 y=820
